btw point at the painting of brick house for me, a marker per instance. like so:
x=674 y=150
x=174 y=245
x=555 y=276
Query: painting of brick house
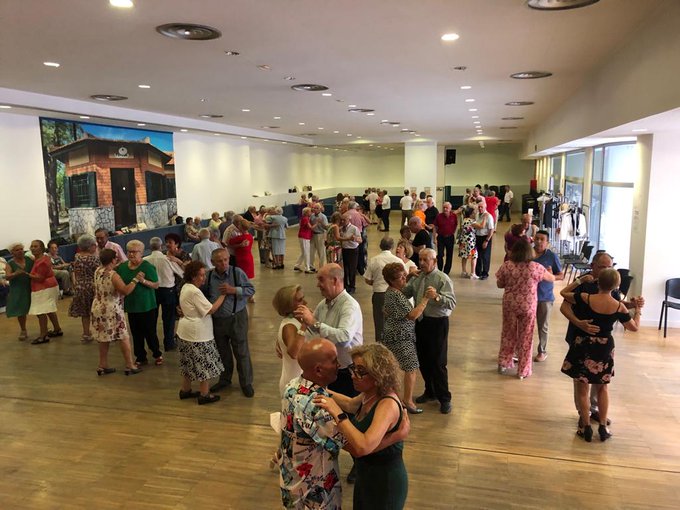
x=112 y=183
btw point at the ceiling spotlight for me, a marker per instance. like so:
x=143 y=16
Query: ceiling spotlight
x=320 y=128
x=327 y=94
x=469 y=100
x=211 y=116
x=289 y=78
x=472 y=109
x=51 y=64
x=81 y=116
x=465 y=87
x=141 y=124
x=309 y=87
x=512 y=118
x=203 y=100
x=450 y=37
x=640 y=130
x=188 y=31
x=476 y=122
x=5 y=107
x=245 y=110
x=244 y=138
x=349 y=134
x=123 y=4
x=284 y=143
x=370 y=114
x=301 y=123
x=558 y=5
x=108 y=97
x=336 y=132
x=277 y=118
x=475 y=116
x=232 y=53
x=530 y=75
x=216 y=134
x=184 y=130
x=519 y=103
x=144 y=86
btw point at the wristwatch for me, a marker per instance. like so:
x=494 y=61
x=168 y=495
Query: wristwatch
x=341 y=417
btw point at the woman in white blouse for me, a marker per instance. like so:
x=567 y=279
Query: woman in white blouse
x=199 y=359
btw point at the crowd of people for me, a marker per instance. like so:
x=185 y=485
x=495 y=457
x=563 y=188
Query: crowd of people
x=337 y=392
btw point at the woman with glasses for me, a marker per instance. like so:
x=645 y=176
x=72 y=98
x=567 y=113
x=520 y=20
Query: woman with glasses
x=399 y=335
x=381 y=479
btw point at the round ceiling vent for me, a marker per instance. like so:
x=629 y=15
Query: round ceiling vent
x=108 y=97
x=512 y=118
x=188 y=31
x=530 y=75
x=211 y=116
x=519 y=103
x=309 y=87
x=360 y=110
x=559 y=5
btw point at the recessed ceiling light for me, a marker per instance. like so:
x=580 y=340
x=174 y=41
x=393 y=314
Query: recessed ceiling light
x=265 y=140
x=123 y=4
x=519 y=103
x=108 y=97
x=336 y=132
x=84 y=116
x=370 y=114
x=465 y=87
x=530 y=75
x=327 y=94
x=52 y=64
x=472 y=109
x=211 y=116
x=140 y=124
x=640 y=130
x=475 y=116
x=351 y=106
x=245 y=110
x=349 y=134
x=277 y=118
x=216 y=134
x=203 y=100
x=476 y=122
x=309 y=87
x=284 y=143
x=558 y=5
x=188 y=31
x=5 y=107
x=270 y=127
x=469 y=100
x=404 y=130
x=184 y=130
x=512 y=118
x=301 y=123
x=232 y=53
x=320 y=128
x=144 y=86
x=289 y=78
x=450 y=37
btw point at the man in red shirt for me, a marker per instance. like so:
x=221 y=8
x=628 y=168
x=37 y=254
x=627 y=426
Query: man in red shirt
x=492 y=202
x=444 y=230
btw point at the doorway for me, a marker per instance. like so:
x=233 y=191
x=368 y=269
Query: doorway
x=123 y=196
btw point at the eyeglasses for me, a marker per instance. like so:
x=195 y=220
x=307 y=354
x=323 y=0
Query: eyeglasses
x=357 y=372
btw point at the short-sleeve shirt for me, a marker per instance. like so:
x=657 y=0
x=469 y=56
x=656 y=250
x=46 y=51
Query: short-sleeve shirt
x=422 y=238
x=196 y=325
x=143 y=298
x=545 y=289
x=305 y=231
x=431 y=215
x=582 y=312
x=446 y=226
x=406 y=203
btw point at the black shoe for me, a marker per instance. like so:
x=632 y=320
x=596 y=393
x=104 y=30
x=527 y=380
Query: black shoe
x=595 y=416
x=352 y=476
x=588 y=433
x=445 y=408
x=219 y=385
x=413 y=410
x=248 y=391
x=53 y=334
x=424 y=398
x=207 y=399
x=183 y=395
x=604 y=433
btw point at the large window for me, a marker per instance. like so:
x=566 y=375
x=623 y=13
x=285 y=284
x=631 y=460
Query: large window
x=573 y=180
x=155 y=187
x=611 y=202
x=81 y=190
x=556 y=176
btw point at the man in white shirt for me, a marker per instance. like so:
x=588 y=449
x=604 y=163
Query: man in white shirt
x=374 y=277
x=506 y=204
x=166 y=294
x=386 y=208
x=406 y=205
x=102 y=237
x=203 y=250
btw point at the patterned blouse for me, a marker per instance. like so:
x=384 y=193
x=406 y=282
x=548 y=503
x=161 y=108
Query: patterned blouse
x=310 y=444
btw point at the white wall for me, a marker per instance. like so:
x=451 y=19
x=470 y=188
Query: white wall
x=420 y=165
x=360 y=170
x=23 y=203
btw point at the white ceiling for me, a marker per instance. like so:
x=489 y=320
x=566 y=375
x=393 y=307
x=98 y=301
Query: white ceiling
x=381 y=54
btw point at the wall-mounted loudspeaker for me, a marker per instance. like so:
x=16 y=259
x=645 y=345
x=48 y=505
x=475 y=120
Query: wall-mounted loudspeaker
x=450 y=157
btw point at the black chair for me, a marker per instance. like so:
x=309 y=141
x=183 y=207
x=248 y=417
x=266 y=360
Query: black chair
x=624 y=286
x=572 y=258
x=672 y=291
x=579 y=267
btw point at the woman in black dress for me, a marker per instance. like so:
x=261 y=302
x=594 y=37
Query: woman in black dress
x=590 y=359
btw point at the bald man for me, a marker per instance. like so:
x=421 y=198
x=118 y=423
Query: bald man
x=310 y=440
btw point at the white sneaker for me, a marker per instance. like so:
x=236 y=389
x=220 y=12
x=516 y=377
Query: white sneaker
x=473 y=276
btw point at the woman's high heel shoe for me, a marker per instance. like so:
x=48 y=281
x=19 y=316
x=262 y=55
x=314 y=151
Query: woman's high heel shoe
x=104 y=371
x=132 y=370
x=588 y=433
x=604 y=433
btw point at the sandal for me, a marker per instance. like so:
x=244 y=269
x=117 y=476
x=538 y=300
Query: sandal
x=132 y=370
x=105 y=370
x=23 y=336
x=86 y=339
x=53 y=334
x=41 y=340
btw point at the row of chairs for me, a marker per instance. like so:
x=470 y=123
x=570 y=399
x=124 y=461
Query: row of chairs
x=577 y=264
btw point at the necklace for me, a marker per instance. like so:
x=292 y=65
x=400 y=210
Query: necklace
x=365 y=400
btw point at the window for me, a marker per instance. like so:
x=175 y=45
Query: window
x=155 y=187
x=611 y=202
x=573 y=180
x=81 y=190
x=556 y=178
x=171 y=188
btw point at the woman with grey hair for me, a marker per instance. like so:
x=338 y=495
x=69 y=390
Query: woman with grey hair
x=85 y=264
x=140 y=304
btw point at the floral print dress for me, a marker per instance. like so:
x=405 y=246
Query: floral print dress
x=467 y=239
x=108 y=316
x=84 y=267
x=590 y=359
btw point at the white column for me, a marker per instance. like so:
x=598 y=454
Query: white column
x=420 y=166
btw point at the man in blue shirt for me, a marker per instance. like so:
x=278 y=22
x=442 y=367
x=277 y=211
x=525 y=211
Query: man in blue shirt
x=546 y=296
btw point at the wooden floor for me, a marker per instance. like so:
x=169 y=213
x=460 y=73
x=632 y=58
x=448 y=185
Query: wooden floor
x=70 y=439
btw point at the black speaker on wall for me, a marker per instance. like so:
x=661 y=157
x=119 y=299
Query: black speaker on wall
x=450 y=157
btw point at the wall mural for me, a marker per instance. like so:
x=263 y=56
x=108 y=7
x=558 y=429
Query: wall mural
x=106 y=176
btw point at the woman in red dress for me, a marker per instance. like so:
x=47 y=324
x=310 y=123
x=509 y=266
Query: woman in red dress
x=243 y=244
x=44 y=293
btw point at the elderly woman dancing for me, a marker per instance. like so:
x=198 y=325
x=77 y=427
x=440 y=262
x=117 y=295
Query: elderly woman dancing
x=84 y=267
x=44 y=293
x=19 y=298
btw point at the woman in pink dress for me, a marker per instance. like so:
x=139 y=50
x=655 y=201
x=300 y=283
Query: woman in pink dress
x=243 y=245
x=519 y=276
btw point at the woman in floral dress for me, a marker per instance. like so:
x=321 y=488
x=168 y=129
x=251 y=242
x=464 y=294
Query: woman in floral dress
x=85 y=264
x=333 y=244
x=519 y=276
x=466 y=243
x=107 y=314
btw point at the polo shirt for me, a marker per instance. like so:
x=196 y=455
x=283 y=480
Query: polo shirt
x=406 y=203
x=375 y=268
x=545 y=289
x=446 y=225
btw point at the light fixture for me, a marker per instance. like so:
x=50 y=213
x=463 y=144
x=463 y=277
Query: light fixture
x=216 y=134
x=211 y=115
x=370 y=114
x=264 y=67
x=245 y=110
x=640 y=130
x=475 y=116
x=512 y=118
x=289 y=78
x=349 y=134
x=84 y=116
x=51 y=64
x=141 y=124
x=232 y=53
x=244 y=138
x=5 y=107
x=472 y=109
x=336 y=132
x=277 y=118
x=203 y=100
x=469 y=100
x=530 y=75
x=558 y=5
x=188 y=31
x=184 y=130
x=301 y=123
x=122 y=4
x=519 y=103
x=465 y=87
x=327 y=94
x=284 y=143
x=476 y=122
x=144 y=86
x=108 y=97
x=450 y=37
x=309 y=87
x=320 y=128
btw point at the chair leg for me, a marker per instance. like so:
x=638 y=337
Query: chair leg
x=663 y=305
x=665 y=321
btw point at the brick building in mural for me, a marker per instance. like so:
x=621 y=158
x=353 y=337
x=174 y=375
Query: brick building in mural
x=114 y=184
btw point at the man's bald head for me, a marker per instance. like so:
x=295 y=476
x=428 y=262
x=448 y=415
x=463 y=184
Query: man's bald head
x=318 y=359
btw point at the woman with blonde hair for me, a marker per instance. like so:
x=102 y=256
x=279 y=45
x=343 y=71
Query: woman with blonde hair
x=381 y=482
x=291 y=333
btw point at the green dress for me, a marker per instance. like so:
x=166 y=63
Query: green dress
x=19 y=298
x=382 y=482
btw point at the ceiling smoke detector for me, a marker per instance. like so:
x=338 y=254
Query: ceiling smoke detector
x=530 y=75
x=188 y=31
x=559 y=5
x=309 y=87
x=108 y=97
